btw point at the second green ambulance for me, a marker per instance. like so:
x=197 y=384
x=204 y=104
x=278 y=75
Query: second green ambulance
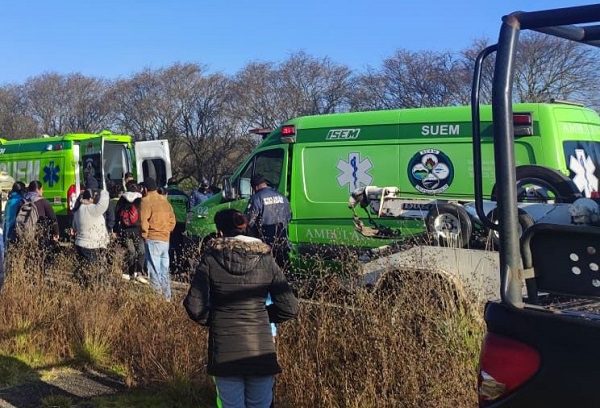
x=62 y=163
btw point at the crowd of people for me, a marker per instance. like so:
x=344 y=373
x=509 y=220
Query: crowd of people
x=134 y=216
x=239 y=290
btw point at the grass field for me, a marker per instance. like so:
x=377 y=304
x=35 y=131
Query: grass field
x=413 y=343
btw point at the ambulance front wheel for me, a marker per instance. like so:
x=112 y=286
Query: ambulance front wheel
x=449 y=225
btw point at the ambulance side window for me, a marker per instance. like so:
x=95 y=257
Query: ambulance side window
x=268 y=163
x=157 y=169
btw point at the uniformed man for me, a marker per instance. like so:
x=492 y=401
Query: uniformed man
x=180 y=203
x=268 y=218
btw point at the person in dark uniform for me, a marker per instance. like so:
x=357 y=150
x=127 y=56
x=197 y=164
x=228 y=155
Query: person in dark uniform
x=180 y=203
x=268 y=217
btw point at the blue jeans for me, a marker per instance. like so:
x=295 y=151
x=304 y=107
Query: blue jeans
x=157 y=262
x=245 y=392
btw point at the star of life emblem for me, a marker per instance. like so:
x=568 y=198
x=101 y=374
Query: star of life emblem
x=583 y=166
x=354 y=172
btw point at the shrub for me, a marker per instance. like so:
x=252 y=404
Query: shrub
x=412 y=342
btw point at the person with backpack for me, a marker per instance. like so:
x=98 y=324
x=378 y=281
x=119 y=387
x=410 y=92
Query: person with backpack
x=89 y=226
x=129 y=233
x=13 y=204
x=36 y=212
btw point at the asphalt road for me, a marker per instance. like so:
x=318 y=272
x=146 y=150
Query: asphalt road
x=78 y=386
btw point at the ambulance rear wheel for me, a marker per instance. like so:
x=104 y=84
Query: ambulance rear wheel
x=449 y=225
x=540 y=184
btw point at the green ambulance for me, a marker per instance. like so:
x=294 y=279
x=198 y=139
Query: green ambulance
x=317 y=161
x=62 y=163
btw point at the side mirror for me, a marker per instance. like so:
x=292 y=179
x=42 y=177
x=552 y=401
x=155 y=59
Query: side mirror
x=229 y=193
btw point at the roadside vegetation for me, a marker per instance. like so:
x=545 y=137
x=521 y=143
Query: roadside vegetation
x=412 y=343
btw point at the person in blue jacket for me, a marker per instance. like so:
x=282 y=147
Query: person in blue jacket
x=200 y=195
x=15 y=199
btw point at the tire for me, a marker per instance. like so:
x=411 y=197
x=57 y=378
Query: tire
x=525 y=221
x=562 y=188
x=450 y=225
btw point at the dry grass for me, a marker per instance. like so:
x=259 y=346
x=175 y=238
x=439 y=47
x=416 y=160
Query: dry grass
x=412 y=343
x=57 y=401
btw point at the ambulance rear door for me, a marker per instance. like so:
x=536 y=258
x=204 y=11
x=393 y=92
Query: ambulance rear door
x=153 y=159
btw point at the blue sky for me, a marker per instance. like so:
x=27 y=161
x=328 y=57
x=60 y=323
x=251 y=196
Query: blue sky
x=114 y=38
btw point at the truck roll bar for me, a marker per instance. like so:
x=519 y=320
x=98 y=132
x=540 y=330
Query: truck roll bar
x=567 y=23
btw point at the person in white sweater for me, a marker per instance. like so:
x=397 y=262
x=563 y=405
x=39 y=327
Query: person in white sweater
x=91 y=236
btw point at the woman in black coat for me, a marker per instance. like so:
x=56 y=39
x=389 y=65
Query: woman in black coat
x=235 y=276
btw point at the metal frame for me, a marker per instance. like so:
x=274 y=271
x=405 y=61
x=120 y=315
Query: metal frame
x=568 y=23
x=475 y=120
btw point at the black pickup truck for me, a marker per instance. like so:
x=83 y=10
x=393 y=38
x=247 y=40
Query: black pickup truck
x=542 y=347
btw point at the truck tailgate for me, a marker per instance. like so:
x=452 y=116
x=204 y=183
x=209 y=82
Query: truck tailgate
x=569 y=348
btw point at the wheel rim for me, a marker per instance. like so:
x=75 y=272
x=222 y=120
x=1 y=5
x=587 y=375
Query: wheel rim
x=446 y=227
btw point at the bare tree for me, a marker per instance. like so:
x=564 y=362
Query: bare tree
x=267 y=95
x=210 y=135
x=15 y=122
x=546 y=68
x=67 y=103
x=255 y=97
x=190 y=109
x=88 y=105
x=313 y=86
x=411 y=79
x=140 y=106
x=47 y=102
x=370 y=92
x=549 y=67
x=469 y=55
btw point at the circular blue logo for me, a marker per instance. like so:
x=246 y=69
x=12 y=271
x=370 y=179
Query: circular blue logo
x=430 y=171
